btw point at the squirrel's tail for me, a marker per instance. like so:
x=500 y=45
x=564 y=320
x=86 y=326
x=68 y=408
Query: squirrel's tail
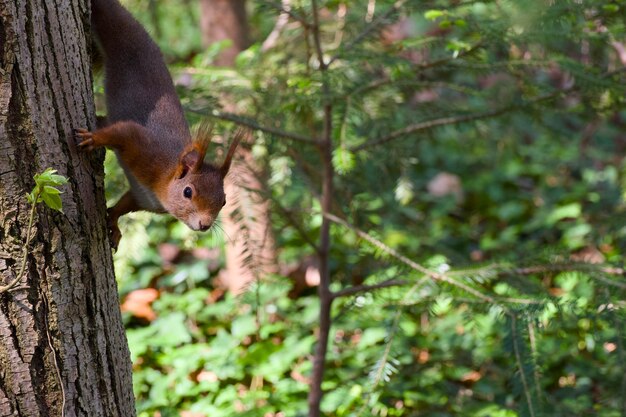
x=118 y=32
x=135 y=74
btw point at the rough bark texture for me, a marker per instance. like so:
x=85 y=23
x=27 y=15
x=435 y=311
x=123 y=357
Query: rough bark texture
x=250 y=251
x=62 y=346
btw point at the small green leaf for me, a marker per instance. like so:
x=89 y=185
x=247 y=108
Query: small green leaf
x=58 y=180
x=568 y=211
x=49 y=177
x=434 y=14
x=47 y=189
x=53 y=201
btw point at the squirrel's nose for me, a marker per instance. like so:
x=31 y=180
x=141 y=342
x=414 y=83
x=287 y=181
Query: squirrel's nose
x=203 y=227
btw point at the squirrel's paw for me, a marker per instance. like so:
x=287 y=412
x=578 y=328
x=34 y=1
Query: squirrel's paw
x=85 y=139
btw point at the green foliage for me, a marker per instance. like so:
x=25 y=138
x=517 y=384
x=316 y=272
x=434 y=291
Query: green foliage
x=480 y=140
x=46 y=190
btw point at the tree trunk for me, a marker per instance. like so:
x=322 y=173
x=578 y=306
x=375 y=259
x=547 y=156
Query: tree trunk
x=62 y=346
x=250 y=251
x=224 y=20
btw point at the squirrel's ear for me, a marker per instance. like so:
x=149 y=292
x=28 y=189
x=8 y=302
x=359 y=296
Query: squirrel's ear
x=231 y=151
x=190 y=161
x=193 y=155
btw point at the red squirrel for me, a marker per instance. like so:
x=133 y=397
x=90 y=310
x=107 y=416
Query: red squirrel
x=147 y=129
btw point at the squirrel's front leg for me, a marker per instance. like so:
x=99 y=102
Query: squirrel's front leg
x=114 y=136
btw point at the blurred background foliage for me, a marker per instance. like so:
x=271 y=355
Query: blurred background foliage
x=481 y=140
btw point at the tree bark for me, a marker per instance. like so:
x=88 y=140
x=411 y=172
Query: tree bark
x=224 y=20
x=250 y=250
x=62 y=346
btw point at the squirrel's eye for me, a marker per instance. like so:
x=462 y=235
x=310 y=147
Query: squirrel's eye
x=187 y=192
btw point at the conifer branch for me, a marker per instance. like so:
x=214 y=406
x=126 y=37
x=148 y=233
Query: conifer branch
x=293 y=223
x=393 y=282
x=287 y=10
x=254 y=125
x=429 y=124
x=412 y=264
x=369 y=29
x=452 y=120
x=621 y=354
x=448 y=59
x=520 y=365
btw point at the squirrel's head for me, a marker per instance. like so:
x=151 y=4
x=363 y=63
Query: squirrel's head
x=196 y=193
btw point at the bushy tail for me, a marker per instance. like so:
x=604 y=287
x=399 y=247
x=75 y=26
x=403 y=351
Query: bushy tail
x=136 y=76
x=118 y=33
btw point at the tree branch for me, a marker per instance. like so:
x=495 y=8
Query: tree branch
x=369 y=29
x=281 y=23
x=254 y=125
x=444 y=121
x=393 y=282
x=323 y=290
x=451 y=120
x=423 y=270
x=283 y=9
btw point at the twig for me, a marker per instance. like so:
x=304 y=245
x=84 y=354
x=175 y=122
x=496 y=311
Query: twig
x=451 y=120
x=288 y=215
x=317 y=38
x=413 y=265
x=288 y=11
x=369 y=29
x=585 y=267
x=252 y=124
x=281 y=22
x=393 y=282
x=618 y=325
x=533 y=350
x=428 y=125
x=442 y=61
x=432 y=274
x=520 y=365
x=390 y=336
x=537 y=269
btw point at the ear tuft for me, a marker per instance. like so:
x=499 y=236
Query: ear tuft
x=203 y=135
x=193 y=155
x=239 y=134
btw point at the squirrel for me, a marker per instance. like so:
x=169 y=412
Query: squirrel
x=146 y=129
